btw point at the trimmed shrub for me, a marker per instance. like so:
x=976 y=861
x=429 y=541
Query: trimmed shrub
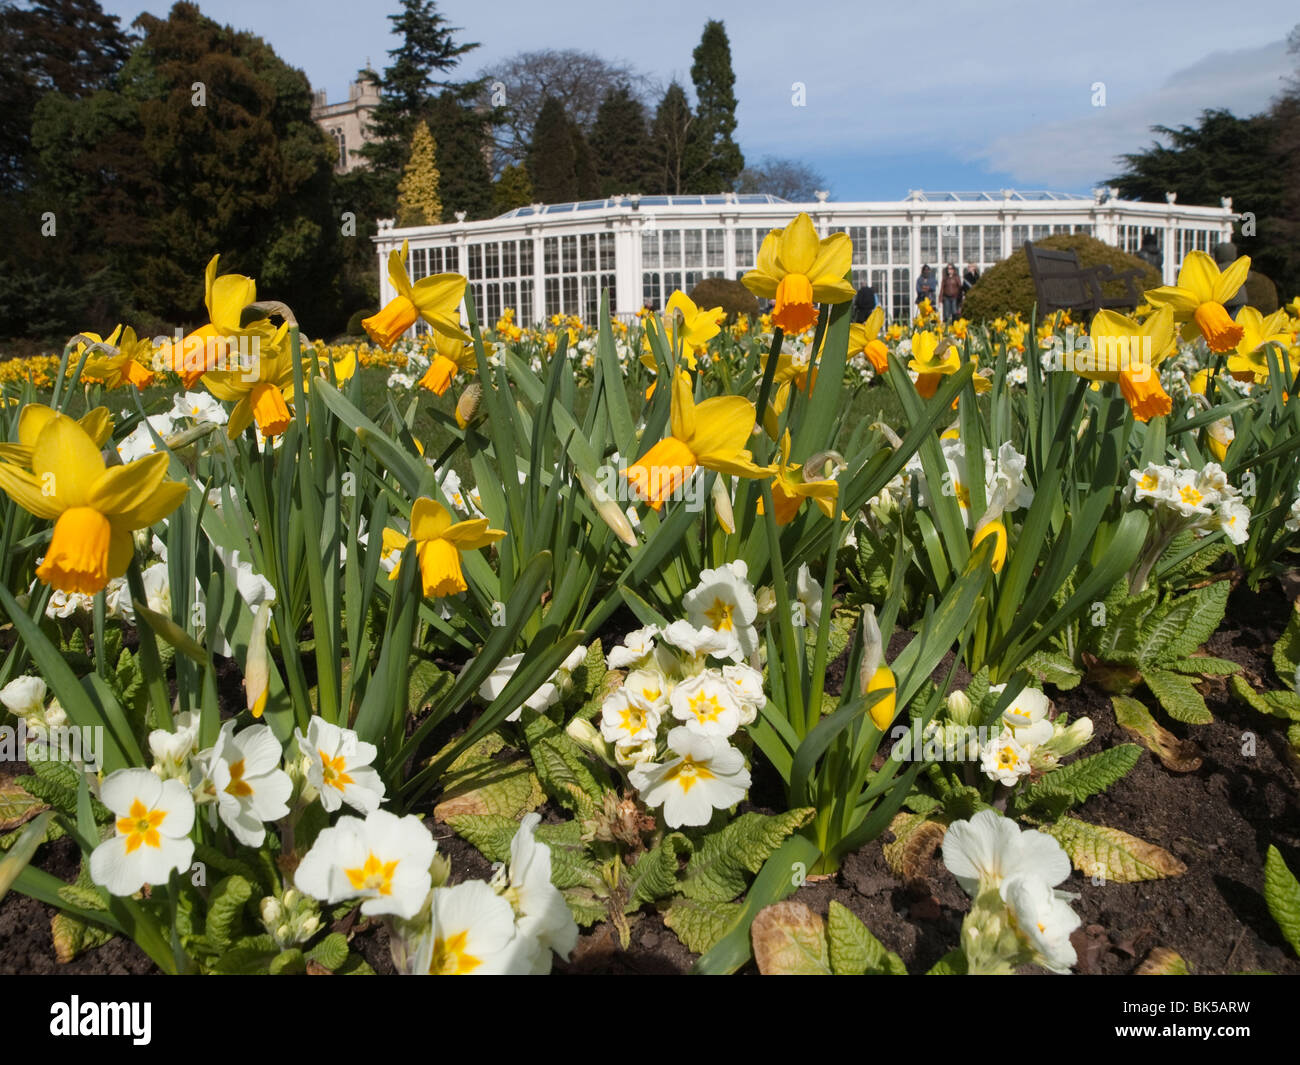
x=1008 y=287
x=731 y=296
x=1261 y=293
x=354 y=323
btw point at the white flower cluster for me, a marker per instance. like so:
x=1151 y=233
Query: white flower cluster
x=188 y=409
x=1200 y=500
x=991 y=852
x=1004 y=478
x=672 y=718
x=512 y=925
x=1027 y=740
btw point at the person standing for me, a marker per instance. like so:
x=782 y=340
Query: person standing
x=1150 y=252
x=925 y=286
x=864 y=302
x=950 y=293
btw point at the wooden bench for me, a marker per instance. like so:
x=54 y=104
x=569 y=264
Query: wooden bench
x=1062 y=284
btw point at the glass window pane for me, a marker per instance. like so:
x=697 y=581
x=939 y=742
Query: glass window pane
x=900 y=241
x=929 y=244
x=716 y=248
x=671 y=247
x=649 y=248
x=992 y=244
x=509 y=261
x=569 y=254
x=551 y=258
x=588 y=244
x=880 y=244
x=525 y=258
x=475 y=261
x=607 y=251
x=745 y=248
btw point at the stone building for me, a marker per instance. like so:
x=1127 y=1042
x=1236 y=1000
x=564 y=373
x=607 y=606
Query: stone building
x=347 y=122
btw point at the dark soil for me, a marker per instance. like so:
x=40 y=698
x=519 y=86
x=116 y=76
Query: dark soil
x=1219 y=819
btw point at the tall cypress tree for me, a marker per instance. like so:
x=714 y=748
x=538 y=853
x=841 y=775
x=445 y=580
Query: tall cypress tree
x=620 y=144
x=673 y=141
x=512 y=189
x=552 y=157
x=717 y=161
x=586 y=182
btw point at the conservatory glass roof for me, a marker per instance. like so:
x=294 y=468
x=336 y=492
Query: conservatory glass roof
x=712 y=200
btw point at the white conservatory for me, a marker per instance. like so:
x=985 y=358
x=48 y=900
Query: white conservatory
x=556 y=259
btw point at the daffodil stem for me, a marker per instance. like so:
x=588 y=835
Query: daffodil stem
x=795 y=711
x=150 y=661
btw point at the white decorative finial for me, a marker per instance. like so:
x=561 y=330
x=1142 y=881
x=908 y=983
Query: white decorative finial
x=1170 y=197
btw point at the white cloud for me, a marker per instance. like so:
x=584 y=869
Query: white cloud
x=1083 y=150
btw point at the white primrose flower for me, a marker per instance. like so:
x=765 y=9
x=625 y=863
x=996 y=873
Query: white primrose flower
x=708 y=774
x=1004 y=759
x=746 y=684
x=1044 y=918
x=24 y=697
x=1155 y=483
x=384 y=859
x=65 y=604
x=702 y=642
x=472 y=932
x=809 y=592
x=544 y=917
x=648 y=688
x=629 y=753
x=1233 y=517
x=1026 y=718
x=199 y=406
x=1192 y=496
x=724 y=601
x=635 y=649
x=706 y=704
x=250 y=786
x=139 y=442
x=1293 y=522
x=338 y=766
x=151 y=833
x=1008 y=473
x=449 y=482
x=173 y=750
x=544 y=697
x=990 y=849
x=624 y=721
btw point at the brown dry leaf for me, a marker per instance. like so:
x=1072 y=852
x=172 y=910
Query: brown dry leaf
x=790 y=940
x=916 y=838
x=16 y=806
x=315 y=968
x=1110 y=853
x=1182 y=756
x=1163 y=962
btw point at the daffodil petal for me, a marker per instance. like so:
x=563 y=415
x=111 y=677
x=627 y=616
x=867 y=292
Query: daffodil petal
x=66 y=450
x=121 y=488
x=25 y=489
x=429 y=520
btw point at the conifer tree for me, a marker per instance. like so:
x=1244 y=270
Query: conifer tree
x=673 y=140
x=715 y=161
x=417 y=194
x=552 y=157
x=620 y=144
x=512 y=189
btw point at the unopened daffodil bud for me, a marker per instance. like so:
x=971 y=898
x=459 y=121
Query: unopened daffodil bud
x=722 y=505
x=610 y=510
x=998 y=531
x=874 y=675
x=257 y=668
x=467 y=405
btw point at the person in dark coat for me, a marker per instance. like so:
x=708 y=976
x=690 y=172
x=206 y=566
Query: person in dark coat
x=1150 y=252
x=925 y=286
x=863 y=303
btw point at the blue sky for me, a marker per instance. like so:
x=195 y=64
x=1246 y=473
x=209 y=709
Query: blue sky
x=897 y=96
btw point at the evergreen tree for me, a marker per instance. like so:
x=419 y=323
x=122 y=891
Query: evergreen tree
x=410 y=85
x=512 y=189
x=1223 y=155
x=586 y=183
x=144 y=189
x=716 y=160
x=552 y=157
x=463 y=135
x=417 y=194
x=620 y=144
x=673 y=141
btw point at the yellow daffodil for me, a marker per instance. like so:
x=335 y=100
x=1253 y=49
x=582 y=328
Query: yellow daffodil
x=1126 y=352
x=798 y=270
x=452 y=355
x=262 y=393
x=434 y=298
x=932 y=360
x=790 y=490
x=34 y=417
x=210 y=346
x=998 y=531
x=1249 y=362
x=693 y=326
x=124 y=368
x=1199 y=297
x=711 y=434
x=345 y=366
x=94 y=508
x=438 y=544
